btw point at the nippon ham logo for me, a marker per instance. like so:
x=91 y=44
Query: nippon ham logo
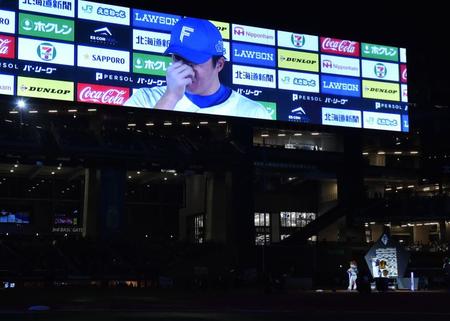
x=326 y=63
x=7 y=47
x=102 y=94
x=253 y=34
x=337 y=46
x=298 y=40
x=380 y=70
x=46 y=51
x=239 y=31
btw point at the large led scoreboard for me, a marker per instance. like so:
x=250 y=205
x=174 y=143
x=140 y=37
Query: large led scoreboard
x=100 y=53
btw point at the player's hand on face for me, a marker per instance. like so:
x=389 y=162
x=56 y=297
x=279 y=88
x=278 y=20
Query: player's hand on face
x=178 y=76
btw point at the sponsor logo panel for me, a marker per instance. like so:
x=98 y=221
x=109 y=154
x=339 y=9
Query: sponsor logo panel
x=369 y=50
x=154 y=20
x=253 y=34
x=103 y=12
x=150 y=41
x=103 y=34
x=253 y=76
x=343 y=86
x=340 y=65
x=251 y=54
x=7 y=47
x=106 y=95
x=403 y=73
x=46 y=27
x=151 y=64
x=64 y=8
x=341 y=117
x=223 y=27
x=405 y=123
x=46 y=51
x=403 y=55
x=290 y=59
x=339 y=46
x=380 y=90
x=404 y=89
x=379 y=70
x=271 y=107
x=100 y=58
x=7 y=21
x=298 y=81
x=390 y=106
x=6 y=85
x=297 y=41
x=382 y=121
x=44 y=88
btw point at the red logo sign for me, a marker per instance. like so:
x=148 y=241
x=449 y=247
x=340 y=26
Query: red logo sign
x=7 y=47
x=403 y=73
x=339 y=47
x=106 y=95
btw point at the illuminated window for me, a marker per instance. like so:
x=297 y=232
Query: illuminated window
x=296 y=219
x=262 y=228
x=199 y=231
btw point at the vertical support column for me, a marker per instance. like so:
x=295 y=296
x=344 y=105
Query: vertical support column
x=90 y=208
x=112 y=202
x=351 y=184
x=275 y=227
x=104 y=197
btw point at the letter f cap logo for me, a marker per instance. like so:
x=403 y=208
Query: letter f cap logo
x=185 y=32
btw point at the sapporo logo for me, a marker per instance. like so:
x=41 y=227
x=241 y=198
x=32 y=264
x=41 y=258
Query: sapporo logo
x=46 y=51
x=380 y=70
x=298 y=40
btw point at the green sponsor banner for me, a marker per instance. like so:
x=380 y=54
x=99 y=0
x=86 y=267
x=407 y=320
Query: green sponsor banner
x=271 y=108
x=369 y=50
x=46 y=27
x=150 y=64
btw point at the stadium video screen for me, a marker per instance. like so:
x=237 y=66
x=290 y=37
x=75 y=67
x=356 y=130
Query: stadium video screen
x=100 y=53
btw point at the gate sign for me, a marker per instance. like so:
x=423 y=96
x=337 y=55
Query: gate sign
x=387 y=258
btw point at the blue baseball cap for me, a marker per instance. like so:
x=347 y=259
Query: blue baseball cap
x=195 y=40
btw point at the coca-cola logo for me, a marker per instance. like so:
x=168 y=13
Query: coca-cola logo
x=404 y=73
x=7 y=47
x=102 y=94
x=345 y=47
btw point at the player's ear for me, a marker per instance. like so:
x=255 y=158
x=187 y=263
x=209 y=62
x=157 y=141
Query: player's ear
x=220 y=63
